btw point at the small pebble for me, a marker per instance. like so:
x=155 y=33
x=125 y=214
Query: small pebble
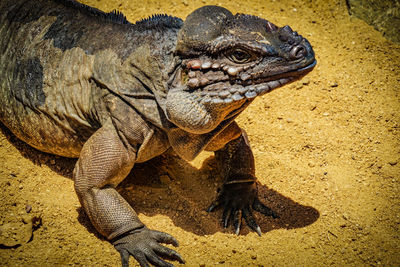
x=28 y=208
x=333 y=84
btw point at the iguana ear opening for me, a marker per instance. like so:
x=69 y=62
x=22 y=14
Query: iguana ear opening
x=201 y=27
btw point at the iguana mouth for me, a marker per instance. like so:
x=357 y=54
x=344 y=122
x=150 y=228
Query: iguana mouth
x=297 y=73
x=226 y=93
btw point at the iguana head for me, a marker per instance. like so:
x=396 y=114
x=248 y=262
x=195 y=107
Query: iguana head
x=228 y=60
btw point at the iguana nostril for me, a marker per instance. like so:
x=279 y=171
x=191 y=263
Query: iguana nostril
x=298 y=51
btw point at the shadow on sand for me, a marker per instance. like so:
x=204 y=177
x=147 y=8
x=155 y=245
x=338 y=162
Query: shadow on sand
x=170 y=186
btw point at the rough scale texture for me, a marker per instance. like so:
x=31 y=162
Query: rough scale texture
x=136 y=92
x=384 y=15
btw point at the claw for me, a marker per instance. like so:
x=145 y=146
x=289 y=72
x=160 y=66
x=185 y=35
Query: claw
x=236 y=221
x=237 y=231
x=258 y=230
x=164 y=238
x=251 y=222
x=153 y=258
x=238 y=200
x=225 y=217
x=144 y=245
x=169 y=253
x=212 y=207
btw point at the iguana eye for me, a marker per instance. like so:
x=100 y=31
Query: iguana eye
x=239 y=56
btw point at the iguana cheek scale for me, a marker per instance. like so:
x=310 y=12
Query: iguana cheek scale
x=78 y=82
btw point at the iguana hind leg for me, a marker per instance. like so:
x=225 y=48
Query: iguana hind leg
x=104 y=162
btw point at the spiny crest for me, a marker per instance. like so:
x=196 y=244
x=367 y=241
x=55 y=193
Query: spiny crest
x=245 y=16
x=160 y=20
x=113 y=16
x=117 y=17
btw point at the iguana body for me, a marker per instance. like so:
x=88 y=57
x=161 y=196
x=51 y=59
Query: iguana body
x=77 y=82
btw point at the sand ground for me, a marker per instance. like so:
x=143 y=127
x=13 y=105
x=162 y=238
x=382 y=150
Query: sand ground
x=327 y=151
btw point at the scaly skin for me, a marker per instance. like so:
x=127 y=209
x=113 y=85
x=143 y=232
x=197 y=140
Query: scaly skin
x=77 y=82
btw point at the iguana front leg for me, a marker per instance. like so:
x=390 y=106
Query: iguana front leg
x=105 y=161
x=238 y=195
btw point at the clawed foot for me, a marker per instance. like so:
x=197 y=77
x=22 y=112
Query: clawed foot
x=238 y=200
x=144 y=245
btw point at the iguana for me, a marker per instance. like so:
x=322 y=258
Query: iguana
x=78 y=82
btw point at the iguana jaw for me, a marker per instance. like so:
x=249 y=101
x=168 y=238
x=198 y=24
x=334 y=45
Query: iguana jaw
x=202 y=110
x=228 y=91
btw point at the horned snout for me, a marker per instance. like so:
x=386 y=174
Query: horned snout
x=295 y=46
